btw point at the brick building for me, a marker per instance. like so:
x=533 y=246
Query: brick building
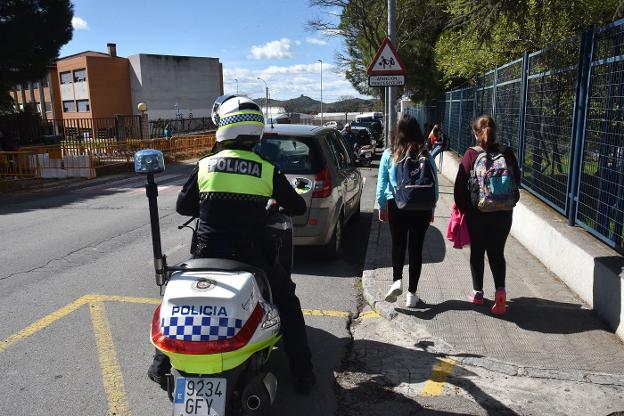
x=96 y=85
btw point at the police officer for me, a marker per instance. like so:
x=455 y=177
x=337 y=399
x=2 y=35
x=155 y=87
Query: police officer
x=229 y=191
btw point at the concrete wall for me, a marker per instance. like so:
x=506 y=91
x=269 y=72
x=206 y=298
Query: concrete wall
x=590 y=268
x=161 y=81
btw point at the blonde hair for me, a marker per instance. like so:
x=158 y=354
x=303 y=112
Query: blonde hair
x=485 y=130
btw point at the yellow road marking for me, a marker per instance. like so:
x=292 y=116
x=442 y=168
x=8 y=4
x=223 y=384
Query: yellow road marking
x=66 y=310
x=111 y=370
x=41 y=323
x=439 y=374
x=325 y=313
x=369 y=314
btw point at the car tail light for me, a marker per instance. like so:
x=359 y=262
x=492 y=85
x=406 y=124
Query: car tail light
x=206 y=347
x=322 y=184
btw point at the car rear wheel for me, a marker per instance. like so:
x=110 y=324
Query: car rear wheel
x=333 y=248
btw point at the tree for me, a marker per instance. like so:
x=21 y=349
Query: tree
x=32 y=33
x=482 y=34
x=363 y=25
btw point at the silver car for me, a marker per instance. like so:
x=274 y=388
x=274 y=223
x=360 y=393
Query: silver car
x=320 y=165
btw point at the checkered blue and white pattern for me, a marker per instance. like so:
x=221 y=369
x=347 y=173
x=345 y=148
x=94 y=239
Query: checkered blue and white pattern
x=200 y=328
x=239 y=118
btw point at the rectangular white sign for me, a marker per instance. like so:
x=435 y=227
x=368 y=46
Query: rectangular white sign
x=386 y=80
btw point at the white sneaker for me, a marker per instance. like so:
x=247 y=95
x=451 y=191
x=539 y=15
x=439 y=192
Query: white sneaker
x=411 y=300
x=395 y=291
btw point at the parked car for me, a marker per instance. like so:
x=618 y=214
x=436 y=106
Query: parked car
x=363 y=135
x=332 y=124
x=320 y=165
x=374 y=126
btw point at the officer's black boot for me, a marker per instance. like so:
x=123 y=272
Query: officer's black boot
x=159 y=369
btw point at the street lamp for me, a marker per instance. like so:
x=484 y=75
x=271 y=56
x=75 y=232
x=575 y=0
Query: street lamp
x=236 y=79
x=266 y=99
x=321 y=61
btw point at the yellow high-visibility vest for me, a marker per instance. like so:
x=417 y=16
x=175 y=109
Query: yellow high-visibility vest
x=236 y=171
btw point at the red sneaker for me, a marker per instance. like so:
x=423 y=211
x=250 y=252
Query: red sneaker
x=499 y=302
x=476 y=297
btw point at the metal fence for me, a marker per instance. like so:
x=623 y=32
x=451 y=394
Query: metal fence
x=24 y=129
x=85 y=158
x=180 y=126
x=561 y=109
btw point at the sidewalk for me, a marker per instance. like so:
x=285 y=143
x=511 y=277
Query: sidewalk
x=547 y=331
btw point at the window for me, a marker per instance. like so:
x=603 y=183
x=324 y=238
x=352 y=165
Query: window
x=18 y=87
x=340 y=153
x=69 y=107
x=80 y=75
x=66 y=77
x=35 y=85
x=83 y=106
x=292 y=155
x=44 y=84
x=346 y=148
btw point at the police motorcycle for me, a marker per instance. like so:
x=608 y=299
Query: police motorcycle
x=216 y=323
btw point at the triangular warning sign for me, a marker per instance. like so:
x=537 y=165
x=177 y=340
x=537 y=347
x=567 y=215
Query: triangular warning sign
x=386 y=61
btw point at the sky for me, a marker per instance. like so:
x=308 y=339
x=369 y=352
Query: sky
x=261 y=38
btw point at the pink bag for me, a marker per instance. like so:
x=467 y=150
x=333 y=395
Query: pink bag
x=457 y=230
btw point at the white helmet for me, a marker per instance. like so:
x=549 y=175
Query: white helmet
x=237 y=116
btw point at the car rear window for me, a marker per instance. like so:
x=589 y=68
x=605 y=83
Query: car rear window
x=291 y=154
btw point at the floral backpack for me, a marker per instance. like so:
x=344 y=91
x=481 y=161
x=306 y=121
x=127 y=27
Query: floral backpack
x=491 y=183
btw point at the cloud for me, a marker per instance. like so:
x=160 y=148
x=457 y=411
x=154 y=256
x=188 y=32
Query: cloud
x=290 y=81
x=276 y=49
x=315 y=41
x=297 y=42
x=79 y=23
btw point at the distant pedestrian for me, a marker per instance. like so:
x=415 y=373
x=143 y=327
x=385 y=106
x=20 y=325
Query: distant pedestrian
x=435 y=141
x=167 y=133
x=408 y=220
x=486 y=190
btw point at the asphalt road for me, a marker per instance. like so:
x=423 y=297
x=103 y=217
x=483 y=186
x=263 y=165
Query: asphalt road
x=67 y=354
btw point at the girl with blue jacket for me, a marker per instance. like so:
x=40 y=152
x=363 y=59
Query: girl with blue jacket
x=407 y=228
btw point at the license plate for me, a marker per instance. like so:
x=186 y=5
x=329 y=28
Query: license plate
x=199 y=396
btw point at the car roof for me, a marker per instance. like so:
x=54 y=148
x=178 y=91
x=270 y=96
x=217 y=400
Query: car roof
x=295 y=129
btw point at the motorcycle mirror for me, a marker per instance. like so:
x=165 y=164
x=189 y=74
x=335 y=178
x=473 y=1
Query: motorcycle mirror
x=149 y=161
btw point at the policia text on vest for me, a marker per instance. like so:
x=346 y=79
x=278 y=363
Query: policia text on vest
x=235 y=165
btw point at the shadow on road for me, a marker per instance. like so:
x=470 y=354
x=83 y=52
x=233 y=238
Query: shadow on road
x=360 y=389
x=310 y=260
x=529 y=313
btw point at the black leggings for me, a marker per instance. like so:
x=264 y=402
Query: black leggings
x=404 y=224
x=488 y=233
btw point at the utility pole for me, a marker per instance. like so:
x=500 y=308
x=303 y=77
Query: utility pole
x=236 y=79
x=391 y=91
x=321 y=61
x=266 y=97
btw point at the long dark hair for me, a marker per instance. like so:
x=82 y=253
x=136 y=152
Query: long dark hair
x=407 y=136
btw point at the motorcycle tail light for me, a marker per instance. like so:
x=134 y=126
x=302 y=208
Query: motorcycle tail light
x=207 y=347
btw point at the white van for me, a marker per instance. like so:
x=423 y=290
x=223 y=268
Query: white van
x=373 y=116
